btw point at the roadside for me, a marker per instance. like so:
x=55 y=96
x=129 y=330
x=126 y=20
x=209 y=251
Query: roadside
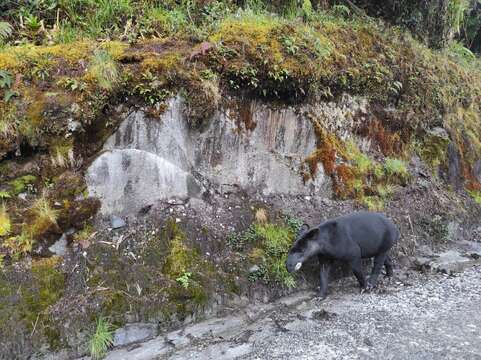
x=414 y=315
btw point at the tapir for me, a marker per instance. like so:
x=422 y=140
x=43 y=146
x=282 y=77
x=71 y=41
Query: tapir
x=348 y=238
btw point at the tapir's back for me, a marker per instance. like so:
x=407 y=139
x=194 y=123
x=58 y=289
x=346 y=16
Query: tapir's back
x=373 y=232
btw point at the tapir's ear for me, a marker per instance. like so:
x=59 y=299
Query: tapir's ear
x=303 y=229
x=311 y=233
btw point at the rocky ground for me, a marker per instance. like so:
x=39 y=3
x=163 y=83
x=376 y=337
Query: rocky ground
x=412 y=316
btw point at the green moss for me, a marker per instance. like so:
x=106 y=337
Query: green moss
x=433 y=151
x=20 y=184
x=476 y=195
x=180 y=258
x=26 y=305
x=372 y=203
x=147 y=287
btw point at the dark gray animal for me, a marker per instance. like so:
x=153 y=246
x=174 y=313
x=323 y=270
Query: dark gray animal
x=347 y=238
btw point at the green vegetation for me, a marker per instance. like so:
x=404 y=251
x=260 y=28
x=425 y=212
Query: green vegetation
x=101 y=340
x=267 y=245
x=5 y=224
x=396 y=168
x=184 y=280
x=104 y=70
x=22 y=184
x=25 y=309
x=66 y=65
x=476 y=195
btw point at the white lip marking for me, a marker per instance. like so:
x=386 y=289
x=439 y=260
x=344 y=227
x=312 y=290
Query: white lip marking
x=298 y=266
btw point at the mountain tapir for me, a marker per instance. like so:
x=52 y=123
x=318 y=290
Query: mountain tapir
x=348 y=238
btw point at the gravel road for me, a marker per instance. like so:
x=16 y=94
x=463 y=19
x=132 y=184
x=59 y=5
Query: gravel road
x=437 y=319
x=414 y=316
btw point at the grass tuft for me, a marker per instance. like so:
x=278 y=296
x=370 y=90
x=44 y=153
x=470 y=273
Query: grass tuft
x=101 y=340
x=104 y=70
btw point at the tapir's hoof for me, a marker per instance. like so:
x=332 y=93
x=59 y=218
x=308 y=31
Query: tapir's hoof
x=321 y=297
x=371 y=287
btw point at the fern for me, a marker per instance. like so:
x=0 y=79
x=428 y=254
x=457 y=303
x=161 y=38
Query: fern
x=5 y=30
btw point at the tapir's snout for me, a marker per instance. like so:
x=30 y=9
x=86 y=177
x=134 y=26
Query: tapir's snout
x=293 y=265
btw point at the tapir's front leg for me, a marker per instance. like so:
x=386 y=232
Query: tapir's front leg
x=324 y=268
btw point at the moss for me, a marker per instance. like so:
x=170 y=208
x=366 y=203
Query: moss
x=433 y=150
x=180 y=258
x=26 y=304
x=18 y=58
x=50 y=283
x=20 y=184
x=372 y=203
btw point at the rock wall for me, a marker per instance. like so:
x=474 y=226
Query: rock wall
x=148 y=160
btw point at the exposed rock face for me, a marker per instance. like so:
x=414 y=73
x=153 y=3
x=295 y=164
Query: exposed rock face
x=260 y=152
x=127 y=179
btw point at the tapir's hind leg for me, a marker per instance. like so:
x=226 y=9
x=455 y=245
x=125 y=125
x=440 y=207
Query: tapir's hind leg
x=356 y=267
x=379 y=261
x=388 y=266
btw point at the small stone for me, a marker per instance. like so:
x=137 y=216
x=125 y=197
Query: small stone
x=254 y=269
x=368 y=342
x=117 y=222
x=60 y=246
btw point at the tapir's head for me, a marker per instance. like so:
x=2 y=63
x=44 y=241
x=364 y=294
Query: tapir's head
x=309 y=242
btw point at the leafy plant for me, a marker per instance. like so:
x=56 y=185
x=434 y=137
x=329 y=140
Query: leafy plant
x=151 y=89
x=238 y=241
x=72 y=84
x=275 y=241
x=22 y=183
x=5 y=195
x=6 y=81
x=293 y=223
x=32 y=22
x=101 y=340
x=290 y=45
x=341 y=11
x=373 y=203
x=307 y=9
x=184 y=279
